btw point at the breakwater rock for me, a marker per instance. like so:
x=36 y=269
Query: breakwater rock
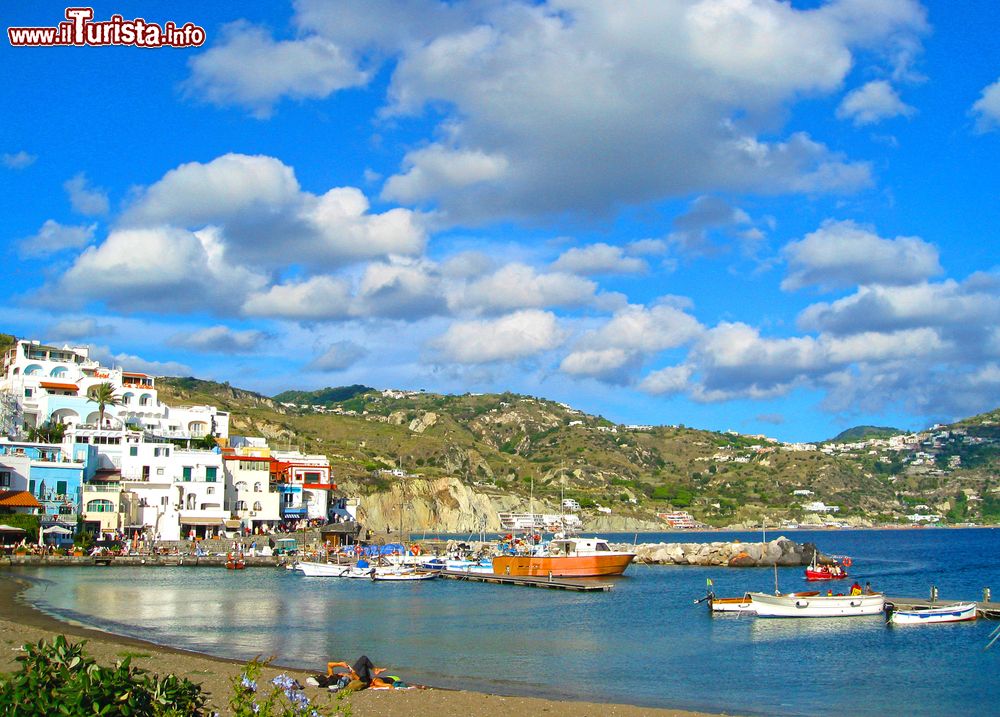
x=780 y=551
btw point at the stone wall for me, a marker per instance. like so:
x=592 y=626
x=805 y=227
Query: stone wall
x=780 y=551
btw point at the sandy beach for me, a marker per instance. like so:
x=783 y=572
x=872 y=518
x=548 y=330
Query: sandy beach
x=20 y=623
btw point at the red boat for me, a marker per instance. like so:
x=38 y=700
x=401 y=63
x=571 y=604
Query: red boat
x=837 y=571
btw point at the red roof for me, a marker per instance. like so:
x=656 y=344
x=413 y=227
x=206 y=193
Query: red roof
x=18 y=499
x=130 y=373
x=60 y=386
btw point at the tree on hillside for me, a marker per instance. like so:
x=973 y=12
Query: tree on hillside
x=103 y=394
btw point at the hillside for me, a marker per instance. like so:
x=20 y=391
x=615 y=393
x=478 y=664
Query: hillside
x=863 y=433
x=513 y=446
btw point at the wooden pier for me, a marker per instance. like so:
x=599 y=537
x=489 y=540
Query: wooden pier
x=989 y=610
x=551 y=583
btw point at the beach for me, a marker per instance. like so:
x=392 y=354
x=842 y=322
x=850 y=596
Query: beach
x=20 y=623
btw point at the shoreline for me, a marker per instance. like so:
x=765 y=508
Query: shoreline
x=22 y=623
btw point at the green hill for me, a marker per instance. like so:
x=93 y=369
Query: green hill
x=864 y=433
x=324 y=396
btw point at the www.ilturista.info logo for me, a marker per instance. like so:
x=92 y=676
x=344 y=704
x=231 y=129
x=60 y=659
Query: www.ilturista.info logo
x=81 y=30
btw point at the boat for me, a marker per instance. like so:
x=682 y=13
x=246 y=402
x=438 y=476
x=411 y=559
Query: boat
x=959 y=612
x=235 y=561
x=324 y=570
x=741 y=604
x=817 y=571
x=404 y=575
x=566 y=558
x=793 y=605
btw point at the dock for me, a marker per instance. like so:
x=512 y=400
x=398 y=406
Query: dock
x=989 y=610
x=551 y=583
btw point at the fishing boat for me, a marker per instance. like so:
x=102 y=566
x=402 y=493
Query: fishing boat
x=739 y=604
x=404 y=575
x=322 y=570
x=792 y=605
x=817 y=571
x=959 y=612
x=566 y=558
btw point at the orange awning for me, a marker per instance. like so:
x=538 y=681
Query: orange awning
x=60 y=386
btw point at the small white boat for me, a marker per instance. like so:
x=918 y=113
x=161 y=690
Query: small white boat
x=405 y=575
x=324 y=570
x=959 y=612
x=792 y=605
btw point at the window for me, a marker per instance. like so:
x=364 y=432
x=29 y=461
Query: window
x=133 y=450
x=159 y=471
x=161 y=452
x=241 y=505
x=163 y=500
x=257 y=488
x=28 y=392
x=187 y=474
x=312 y=477
x=100 y=506
x=256 y=505
x=210 y=491
x=4 y=479
x=240 y=485
x=61 y=487
x=31 y=486
x=210 y=474
x=145 y=399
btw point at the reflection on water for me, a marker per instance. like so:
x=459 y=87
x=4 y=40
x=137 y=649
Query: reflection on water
x=644 y=642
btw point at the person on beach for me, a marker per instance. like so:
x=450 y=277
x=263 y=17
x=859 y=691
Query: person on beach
x=361 y=675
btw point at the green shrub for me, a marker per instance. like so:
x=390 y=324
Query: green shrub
x=282 y=697
x=58 y=678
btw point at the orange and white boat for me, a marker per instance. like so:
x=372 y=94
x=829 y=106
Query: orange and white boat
x=566 y=558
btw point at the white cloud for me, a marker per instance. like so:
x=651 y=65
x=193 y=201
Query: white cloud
x=73 y=329
x=693 y=230
x=250 y=69
x=433 y=167
x=54 y=237
x=255 y=199
x=986 y=109
x=515 y=336
x=87 y=200
x=598 y=259
x=953 y=307
x=18 y=160
x=518 y=286
x=156 y=269
x=611 y=365
x=338 y=356
x=220 y=339
x=873 y=102
x=840 y=254
x=531 y=86
x=645 y=247
x=320 y=298
x=131 y=362
x=667 y=381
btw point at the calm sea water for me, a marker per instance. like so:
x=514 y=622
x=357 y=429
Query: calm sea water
x=644 y=642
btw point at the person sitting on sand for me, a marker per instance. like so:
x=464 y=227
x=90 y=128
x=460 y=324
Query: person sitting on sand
x=361 y=675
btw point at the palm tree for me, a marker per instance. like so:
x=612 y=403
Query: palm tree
x=103 y=394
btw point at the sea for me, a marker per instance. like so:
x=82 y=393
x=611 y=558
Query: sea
x=645 y=642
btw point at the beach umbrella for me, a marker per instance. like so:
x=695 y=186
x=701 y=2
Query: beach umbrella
x=10 y=529
x=58 y=529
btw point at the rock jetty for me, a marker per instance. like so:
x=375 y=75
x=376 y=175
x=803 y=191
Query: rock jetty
x=780 y=551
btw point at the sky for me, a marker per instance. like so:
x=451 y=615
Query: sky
x=749 y=215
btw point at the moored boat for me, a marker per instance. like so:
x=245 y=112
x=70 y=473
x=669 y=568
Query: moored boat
x=566 y=558
x=959 y=612
x=793 y=605
x=325 y=570
x=817 y=571
x=235 y=561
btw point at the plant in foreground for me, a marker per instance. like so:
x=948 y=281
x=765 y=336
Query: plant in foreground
x=58 y=678
x=281 y=697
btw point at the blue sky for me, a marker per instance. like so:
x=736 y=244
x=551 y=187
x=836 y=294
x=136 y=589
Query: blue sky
x=732 y=214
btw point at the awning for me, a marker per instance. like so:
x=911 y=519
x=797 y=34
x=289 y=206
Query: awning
x=58 y=529
x=59 y=386
x=10 y=529
x=201 y=521
x=232 y=524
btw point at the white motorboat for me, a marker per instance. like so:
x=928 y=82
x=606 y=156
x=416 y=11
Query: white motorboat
x=404 y=575
x=793 y=605
x=959 y=612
